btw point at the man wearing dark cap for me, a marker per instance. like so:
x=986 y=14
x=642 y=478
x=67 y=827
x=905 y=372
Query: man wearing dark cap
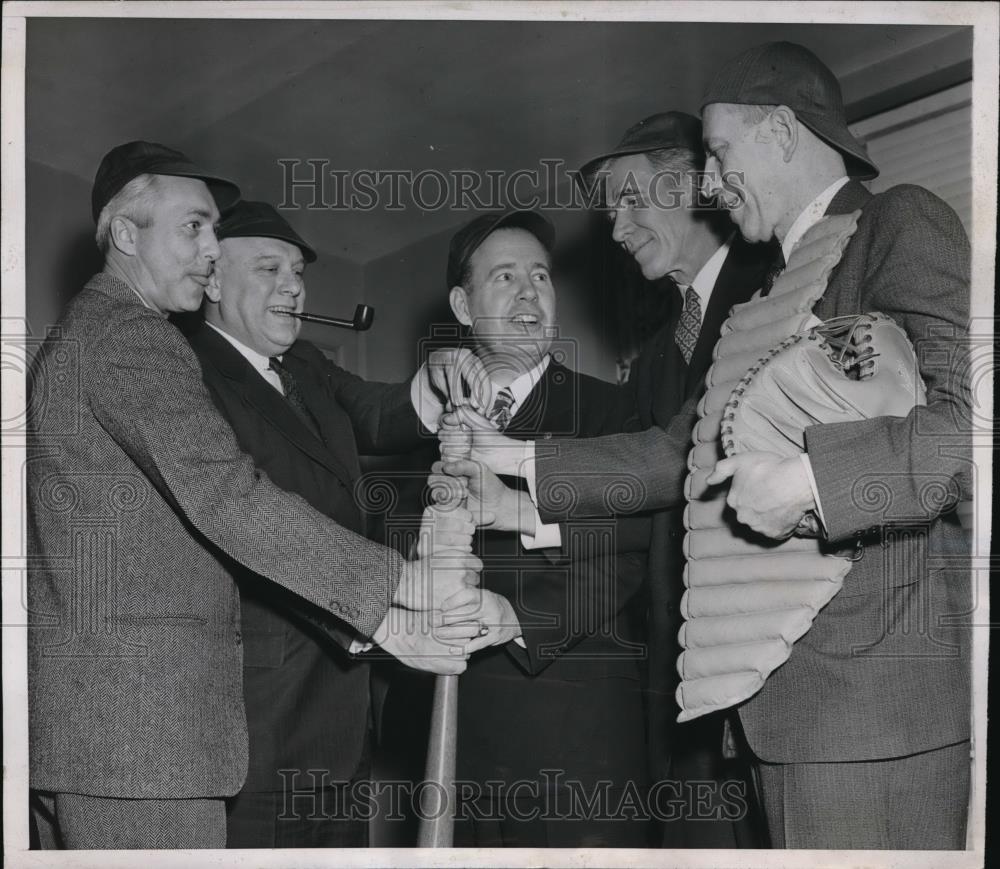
x=302 y=419
x=863 y=735
x=551 y=708
x=650 y=185
x=139 y=499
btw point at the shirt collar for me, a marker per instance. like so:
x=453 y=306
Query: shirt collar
x=704 y=281
x=810 y=216
x=522 y=385
x=260 y=363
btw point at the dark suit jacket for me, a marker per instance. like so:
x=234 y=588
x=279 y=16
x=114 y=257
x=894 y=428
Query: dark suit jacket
x=571 y=700
x=307 y=701
x=138 y=496
x=884 y=671
x=663 y=383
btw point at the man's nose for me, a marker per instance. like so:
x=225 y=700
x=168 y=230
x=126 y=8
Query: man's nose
x=527 y=289
x=290 y=284
x=620 y=225
x=210 y=246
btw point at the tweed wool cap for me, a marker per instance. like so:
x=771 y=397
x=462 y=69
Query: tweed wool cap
x=663 y=130
x=786 y=74
x=249 y=219
x=125 y=162
x=466 y=241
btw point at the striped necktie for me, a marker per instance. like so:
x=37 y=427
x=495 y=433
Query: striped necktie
x=689 y=324
x=499 y=414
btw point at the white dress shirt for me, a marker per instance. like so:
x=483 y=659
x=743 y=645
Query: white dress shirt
x=260 y=363
x=810 y=216
x=708 y=274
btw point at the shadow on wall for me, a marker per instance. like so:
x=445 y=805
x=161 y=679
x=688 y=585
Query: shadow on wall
x=60 y=249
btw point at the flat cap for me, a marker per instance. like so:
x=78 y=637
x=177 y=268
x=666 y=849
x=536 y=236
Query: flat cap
x=466 y=241
x=125 y=162
x=657 y=132
x=249 y=219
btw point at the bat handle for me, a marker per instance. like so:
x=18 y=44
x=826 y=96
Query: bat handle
x=437 y=822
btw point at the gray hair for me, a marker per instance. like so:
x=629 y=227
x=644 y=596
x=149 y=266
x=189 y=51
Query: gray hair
x=134 y=201
x=755 y=114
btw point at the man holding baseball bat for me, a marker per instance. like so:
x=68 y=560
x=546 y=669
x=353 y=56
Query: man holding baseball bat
x=140 y=499
x=551 y=705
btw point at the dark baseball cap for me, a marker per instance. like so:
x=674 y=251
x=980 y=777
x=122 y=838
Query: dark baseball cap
x=120 y=165
x=663 y=130
x=466 y=241
x=260 y=220
x=786 y=74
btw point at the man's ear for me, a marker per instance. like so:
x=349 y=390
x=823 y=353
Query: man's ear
x=123 y=232
x=459 y=301
x=785 y=127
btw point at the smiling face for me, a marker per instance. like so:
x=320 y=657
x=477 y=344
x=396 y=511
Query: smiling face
x=174 y=246
x=509 y=303
x=257 y=287
x=650 y=212
x=743 y=168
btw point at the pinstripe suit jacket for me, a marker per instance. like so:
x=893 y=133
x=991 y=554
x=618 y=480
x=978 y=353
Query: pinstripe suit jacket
x=138 y=500
x=884 y=671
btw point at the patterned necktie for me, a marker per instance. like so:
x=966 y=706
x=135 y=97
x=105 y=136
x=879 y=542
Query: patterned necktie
x=689 y=325
x=293 y=394
x=499 y=414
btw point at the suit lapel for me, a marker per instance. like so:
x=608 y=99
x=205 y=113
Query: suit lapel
x=264 y=399
x=548 y=407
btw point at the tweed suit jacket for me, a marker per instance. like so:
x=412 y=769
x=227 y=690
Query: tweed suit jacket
x=139 y=499
x=307 y=700
x=884 y=671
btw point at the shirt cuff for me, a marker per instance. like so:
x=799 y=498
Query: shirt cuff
x=545 y=536
x=425 y=402
x=358 y=648
x=812 y=485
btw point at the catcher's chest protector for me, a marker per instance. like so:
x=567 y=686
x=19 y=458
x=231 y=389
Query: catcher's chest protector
x=747 y=599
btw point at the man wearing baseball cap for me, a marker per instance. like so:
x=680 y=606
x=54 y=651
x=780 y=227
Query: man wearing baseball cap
x=139 y=498
x=649 y=183
x=863 y=735
x=551 y=708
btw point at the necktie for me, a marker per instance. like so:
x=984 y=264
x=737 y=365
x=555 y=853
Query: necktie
x=772 y=274
x=499 y=414
x=689 y=324
x=292 y=393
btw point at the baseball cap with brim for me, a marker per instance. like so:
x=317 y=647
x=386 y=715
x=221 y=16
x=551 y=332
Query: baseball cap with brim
x=466 y=241
x=120 y=165
x=786 y=74
x=249 y=219
x=655 y=133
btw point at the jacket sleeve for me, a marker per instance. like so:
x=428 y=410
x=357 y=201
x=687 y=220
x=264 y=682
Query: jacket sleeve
x=145 y=388
x=617 y=474
x=381 y=414
x=914 y=468
x=560 y=606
